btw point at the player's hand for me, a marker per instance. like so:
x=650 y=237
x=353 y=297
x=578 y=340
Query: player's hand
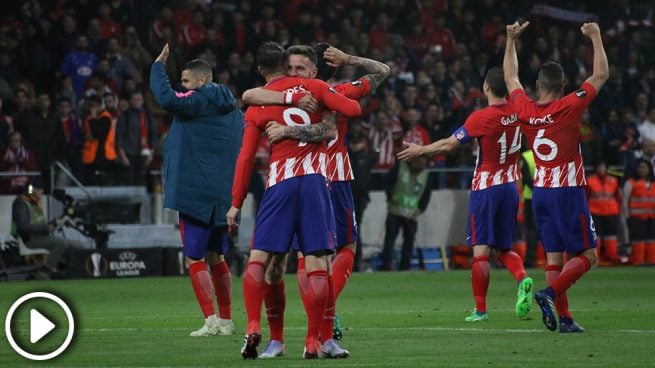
x=590 y=29
x=411 y=150
x=164 y=54
x=232 y=216
x=335 y=57
x=308 y=103
x=275 y=131
x=515 y=30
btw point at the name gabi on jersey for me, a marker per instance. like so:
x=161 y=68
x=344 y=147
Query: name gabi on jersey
x=508 y=120
x=548 y=119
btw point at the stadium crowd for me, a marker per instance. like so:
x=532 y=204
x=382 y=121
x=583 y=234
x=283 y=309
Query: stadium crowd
x=74 y=75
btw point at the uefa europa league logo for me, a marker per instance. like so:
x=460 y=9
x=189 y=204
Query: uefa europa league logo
x=95 y=259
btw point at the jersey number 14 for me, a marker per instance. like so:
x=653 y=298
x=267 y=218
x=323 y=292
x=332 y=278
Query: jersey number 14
x=514 y=147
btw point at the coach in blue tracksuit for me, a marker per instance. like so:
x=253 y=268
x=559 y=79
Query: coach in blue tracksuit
x=199 y=158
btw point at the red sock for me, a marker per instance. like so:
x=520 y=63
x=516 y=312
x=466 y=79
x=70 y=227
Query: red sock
x=562 y=301
x=480 y=282
x=318 y=293
x=327 y=325
x=342 y=267
x=254 y=288
x=222 y=280
x=275 y=301
x=513 y=263
x=202 y=287
x=303 y=281
x=572 y=272
x=612 y=250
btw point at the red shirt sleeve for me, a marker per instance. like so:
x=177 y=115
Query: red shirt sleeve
x=245 y=161
x=333 y=100
x=473 y=124
x=354 y=90
x=518 y=100
x=581 y=98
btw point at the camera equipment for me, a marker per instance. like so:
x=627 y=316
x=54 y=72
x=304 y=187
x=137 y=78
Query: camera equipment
x=83 y=216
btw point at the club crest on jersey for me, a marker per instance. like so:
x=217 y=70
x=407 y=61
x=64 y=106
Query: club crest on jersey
x=356 y=83
x=581 y=93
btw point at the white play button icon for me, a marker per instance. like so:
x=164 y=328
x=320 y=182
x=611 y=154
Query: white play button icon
x=39 y=326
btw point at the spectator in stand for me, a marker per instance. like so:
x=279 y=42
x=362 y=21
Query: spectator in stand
x=97 y=43
x=408 y=195
x=604 y=198
x=135 y=140
x=591 y=145
x=98 y=150
x=21 y=104
x=121 y=66
x=109 y=27
x=62 y=38
x=73 y=136
x=383 y=135
x=414 y=132
x=639 y=205
x=647 y=127
x=79 y=64
x=16 y=158
x=43 y=134
x=104 y=69
x=194 y=32
x=138 y=55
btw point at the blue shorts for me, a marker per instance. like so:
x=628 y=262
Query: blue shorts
x=492 y=216
x=563 y=219
x=344 y=213
x=300 y=207
x=198 y=237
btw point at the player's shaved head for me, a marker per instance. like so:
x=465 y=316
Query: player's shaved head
x=270 y=58
x=551 y=77
x=199 y=67
x=325 y=72
x=496 y=82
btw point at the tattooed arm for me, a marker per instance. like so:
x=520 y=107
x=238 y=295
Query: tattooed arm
x=377 y=71
x=325 y=130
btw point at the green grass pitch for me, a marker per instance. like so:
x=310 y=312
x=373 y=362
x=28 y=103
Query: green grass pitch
x=393 y=320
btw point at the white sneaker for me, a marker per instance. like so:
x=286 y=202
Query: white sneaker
x=273 y=349
x=331 y=349
x=225 y=327
x=210 y=328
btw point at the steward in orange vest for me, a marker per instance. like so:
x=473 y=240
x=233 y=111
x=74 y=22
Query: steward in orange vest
x=98 y=151
x=639 y=204
x=605 y=206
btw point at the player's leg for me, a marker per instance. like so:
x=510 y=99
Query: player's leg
x=575 y=226
x=275 y=303
x=221 y=278
x=479 y=235
x=545 y=219
x=505 y=203
x=346 y=233
x=316 y=241
x=274 y=227
x=195 y=237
